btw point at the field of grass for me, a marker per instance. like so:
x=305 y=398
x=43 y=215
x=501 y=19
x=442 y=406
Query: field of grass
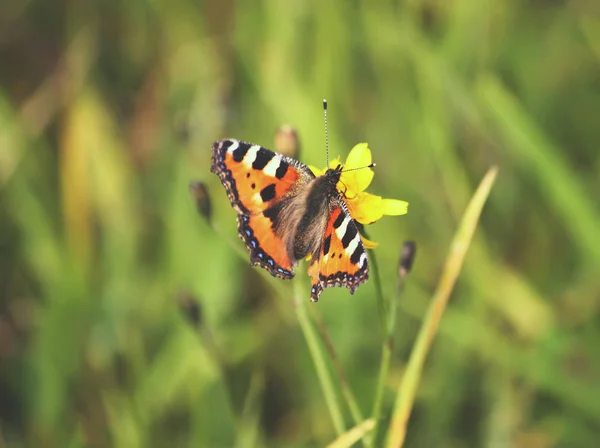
x=128 y=319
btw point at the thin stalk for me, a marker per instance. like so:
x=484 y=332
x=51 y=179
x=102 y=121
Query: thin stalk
x=386 y=350
x=343 y=379
x=318 y=357
x=384 y=367
x=381 y=305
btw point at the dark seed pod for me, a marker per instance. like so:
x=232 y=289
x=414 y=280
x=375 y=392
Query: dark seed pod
x=190 y=307
x=200 y=194
x=407 y=258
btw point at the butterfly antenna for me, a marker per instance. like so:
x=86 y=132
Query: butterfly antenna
x=326 y=134
x=372 y=165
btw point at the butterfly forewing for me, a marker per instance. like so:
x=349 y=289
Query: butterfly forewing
x=253 y=176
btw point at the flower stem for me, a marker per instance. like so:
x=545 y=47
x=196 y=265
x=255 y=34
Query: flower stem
x=343 y=379
x=381 y=305
x=410 y=381
x=316 y=353
x=386 y=351
x=386 y=356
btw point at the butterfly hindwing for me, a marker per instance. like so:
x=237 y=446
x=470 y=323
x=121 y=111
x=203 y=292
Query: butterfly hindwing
x=266 y=248
x=342 y=259
x=253 y=176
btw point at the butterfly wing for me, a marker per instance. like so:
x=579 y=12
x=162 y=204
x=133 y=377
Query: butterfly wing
x=342 y=259
x=266 y=248
x=257 y=182
x=255 y=177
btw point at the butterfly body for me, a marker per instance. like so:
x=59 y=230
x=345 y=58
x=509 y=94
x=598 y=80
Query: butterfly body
x=286 y=213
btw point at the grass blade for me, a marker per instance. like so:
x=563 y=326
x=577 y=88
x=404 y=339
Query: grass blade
x=353 y=435
x=410 y=381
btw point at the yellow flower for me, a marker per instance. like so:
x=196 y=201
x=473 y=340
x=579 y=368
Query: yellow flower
x=364 y=207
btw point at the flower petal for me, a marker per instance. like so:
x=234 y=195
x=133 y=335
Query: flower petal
x=368 y=243
x=358 y=180
x=394 y=207
x=366 y=208
x=359 y=156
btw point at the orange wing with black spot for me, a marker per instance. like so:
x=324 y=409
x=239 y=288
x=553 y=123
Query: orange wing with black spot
x=257 y=180
x=255 y=177
x=342 y=259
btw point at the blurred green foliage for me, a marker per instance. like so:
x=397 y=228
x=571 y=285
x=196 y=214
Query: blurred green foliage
x=108 y=110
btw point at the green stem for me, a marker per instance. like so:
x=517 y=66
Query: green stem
x=386 y=350
x=384 y=368
x=381 y=305
x=343 y=380
x=386 y=354
x=316 y=353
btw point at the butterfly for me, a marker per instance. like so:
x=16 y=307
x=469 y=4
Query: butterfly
x=286 y=213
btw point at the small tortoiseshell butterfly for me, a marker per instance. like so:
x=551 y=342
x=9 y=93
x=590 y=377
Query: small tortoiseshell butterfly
x=285 y=213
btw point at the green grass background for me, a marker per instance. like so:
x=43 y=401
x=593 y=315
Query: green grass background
x=107 y=112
